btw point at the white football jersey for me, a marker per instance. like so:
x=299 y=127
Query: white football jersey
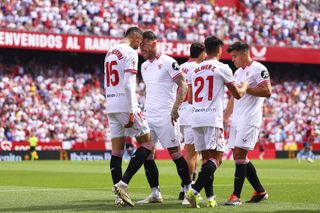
x=185 y=109
x=161 y=89
x=208 y=87
x=248 y=109
x=120 y=59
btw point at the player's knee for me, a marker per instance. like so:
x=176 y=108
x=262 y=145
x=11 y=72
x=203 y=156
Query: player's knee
x=238 y=155
x=204 y=161
x=216 y=162
x=150 y=156
x=118 y=153
x=175 y=154
x=148 y=145
x=242 y=161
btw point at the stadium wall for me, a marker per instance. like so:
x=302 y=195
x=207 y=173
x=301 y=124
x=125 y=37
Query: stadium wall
x=18 y=151
x=100 y=45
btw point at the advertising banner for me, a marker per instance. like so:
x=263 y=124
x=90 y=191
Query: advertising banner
x=101 y=44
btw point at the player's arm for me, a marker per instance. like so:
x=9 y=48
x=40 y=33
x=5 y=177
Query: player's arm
x=229 y=109
x=129 y=86
x=228 y=112
x=130 y=69
x=181 y=94
x=263 y=89
x=190 y=94
x=237 y=91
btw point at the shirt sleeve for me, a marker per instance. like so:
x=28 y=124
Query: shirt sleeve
x=227 y=75
x=188 y=77
x=262 y=75
x=173 y=68
x=131 y=63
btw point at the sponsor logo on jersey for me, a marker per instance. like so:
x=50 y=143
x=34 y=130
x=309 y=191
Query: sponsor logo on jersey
x=133 y=63
x=204 y=109
x=175 y=66
x=264 y=74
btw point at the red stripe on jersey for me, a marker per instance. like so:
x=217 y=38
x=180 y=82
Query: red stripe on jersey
x=265 y=82
x=133 y=71
x=177 y=75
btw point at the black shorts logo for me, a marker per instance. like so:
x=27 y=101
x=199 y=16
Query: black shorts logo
x=175 y=66
x=264 y=74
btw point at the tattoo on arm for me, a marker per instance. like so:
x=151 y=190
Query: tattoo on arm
x=183 y=88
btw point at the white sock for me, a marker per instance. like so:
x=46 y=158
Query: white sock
x=123 y=183
x=194 y=191
x=210 y=198
x=187 y=187
x=155 y=190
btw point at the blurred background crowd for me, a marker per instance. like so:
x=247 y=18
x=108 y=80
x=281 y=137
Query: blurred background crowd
x=261 y=22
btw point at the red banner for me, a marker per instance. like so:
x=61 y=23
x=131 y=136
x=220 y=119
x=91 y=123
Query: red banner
x=100 y=45
x=24 y=146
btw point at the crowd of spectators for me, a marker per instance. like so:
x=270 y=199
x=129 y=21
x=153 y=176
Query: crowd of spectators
x=262 y=22
x=54 y=103
x=287 y=111
x=66 y=103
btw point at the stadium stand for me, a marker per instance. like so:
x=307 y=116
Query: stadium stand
x=258 y=22
x=70 y=98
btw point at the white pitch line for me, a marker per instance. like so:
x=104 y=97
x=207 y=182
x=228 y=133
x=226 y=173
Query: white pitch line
x=38 y=190
x=222 y=185
x=142 y=187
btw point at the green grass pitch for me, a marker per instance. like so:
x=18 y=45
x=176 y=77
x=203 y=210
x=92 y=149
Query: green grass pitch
x=65 y=186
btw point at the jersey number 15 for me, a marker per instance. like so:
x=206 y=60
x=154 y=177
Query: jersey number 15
x=112 y=75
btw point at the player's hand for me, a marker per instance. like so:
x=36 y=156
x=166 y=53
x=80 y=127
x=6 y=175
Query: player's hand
x=174 y=116
x=244 y=85
x=131 y=121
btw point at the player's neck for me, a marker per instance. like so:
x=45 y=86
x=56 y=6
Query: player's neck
x=197 y=60
x=126 y=41
x=154 y=55
x=247 y=63
x=212 y=57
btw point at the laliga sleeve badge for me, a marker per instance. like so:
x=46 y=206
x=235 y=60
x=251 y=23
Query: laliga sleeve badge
x=175 y=66
x=264 y=74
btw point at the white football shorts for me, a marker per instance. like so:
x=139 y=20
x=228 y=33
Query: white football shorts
x=162 y=130
x=187 y=134
x=118 y=120
x=244 y=137
x=209 y=138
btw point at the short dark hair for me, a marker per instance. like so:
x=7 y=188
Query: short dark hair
x=133 y=30
x=150 y=35
x=238 y=46
x=212 y=44
x=196 y=49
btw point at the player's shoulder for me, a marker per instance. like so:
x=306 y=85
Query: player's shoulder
x=144 y=64
x=126 y=49
x=189 y=65
x=166 y=58
x=258 y=67
x=222 y=67
x=259 y=70
x=169 y=62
